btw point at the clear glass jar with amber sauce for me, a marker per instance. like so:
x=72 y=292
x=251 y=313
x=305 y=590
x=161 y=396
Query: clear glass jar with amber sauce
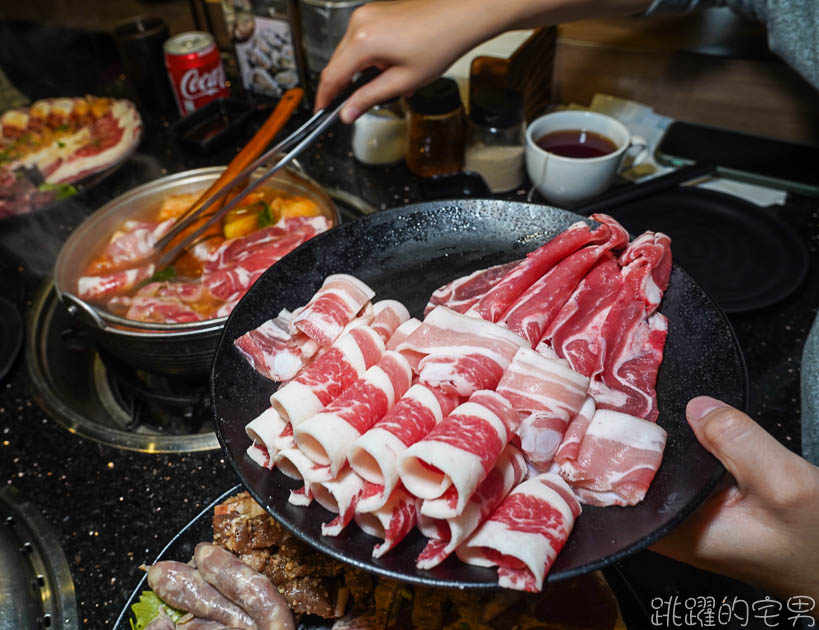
x=435 y=144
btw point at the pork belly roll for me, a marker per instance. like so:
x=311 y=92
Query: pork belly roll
x=569 y=447
x=463 y=353
x=548 y=394
x=265 y=429
x=388 y=315
x=447 y=534
x=338 y=300
x=374 y=455
x=296 y=465
x=274 y=351
x=459 y=453
x=340 y=496
x=96 y=288
x=392 y=521
x=525 y=533
x=324 y=379
x=327 y=437
x=258 y=455
x=400 y=336
x=617 y=460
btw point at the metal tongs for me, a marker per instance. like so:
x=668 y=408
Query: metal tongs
x=294 y=144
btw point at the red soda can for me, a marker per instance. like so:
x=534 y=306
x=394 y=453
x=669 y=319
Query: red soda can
x=195 y=70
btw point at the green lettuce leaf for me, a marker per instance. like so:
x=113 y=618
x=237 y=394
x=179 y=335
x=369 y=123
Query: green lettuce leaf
x=148 y=607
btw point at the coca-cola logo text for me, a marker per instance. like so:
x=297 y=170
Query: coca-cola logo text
x=194 y=85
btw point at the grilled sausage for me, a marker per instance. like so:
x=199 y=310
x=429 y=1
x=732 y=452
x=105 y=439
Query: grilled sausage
x=248 y=588
x=183 y=587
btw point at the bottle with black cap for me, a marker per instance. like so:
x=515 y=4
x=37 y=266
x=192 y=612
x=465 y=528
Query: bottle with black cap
x=435 y=143
x=494 y=145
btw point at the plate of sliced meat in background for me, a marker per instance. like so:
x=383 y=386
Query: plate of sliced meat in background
x=408 y=253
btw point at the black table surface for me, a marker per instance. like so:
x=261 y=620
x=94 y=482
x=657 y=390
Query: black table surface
x=113 y=510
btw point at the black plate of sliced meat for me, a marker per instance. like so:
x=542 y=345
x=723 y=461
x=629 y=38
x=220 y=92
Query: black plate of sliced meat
x=406 y=254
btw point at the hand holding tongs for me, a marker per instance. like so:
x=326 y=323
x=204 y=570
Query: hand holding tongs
x=296 y=142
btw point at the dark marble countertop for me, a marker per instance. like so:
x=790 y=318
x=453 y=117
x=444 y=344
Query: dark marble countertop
x=113 y=510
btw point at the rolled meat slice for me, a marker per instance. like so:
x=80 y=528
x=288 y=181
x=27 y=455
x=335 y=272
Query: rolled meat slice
x=326 y=377
x=259 y=455
x=655 y=249
x=327 y=437
x=548 y=394
x=374 y=455
x=247 y=587
x=265 y=428
x=296 y=465
x=460 y=451
x=130 y=244
x=569 y=448
x=284 y=439
x=388 y=315
x=96 y=288
x=575 y=332
x=400 y=336
x=464 y=354
x=447 y=534
x=618 y=458
x=274 y=351
x=340 y=496
x=183 y=587
x=401 y=333
x=531 y=314
x=629 y=379
x=301 y=497
x=494 y=304
x=238 y=262
x=633 y=333
x=338 y=300
x=392 y=521
x=525 y=533
x=500 y=406
x=464 y=292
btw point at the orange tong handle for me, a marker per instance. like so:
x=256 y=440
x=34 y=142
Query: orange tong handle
x=277 y=119
x=253 y=149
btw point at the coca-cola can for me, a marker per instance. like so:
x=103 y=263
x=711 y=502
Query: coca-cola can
x=195 y=70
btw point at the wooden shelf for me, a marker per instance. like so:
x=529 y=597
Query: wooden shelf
x=713 y=68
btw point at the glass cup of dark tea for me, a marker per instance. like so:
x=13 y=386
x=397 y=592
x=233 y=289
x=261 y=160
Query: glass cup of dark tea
x=573 y=155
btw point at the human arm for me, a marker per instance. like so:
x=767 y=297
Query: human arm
x=414 y=41
x=762 y=528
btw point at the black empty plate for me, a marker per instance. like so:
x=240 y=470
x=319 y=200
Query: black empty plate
x=407 y=253
x=744 y=256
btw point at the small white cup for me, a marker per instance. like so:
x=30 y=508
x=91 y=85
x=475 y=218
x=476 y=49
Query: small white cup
x=569 y=180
